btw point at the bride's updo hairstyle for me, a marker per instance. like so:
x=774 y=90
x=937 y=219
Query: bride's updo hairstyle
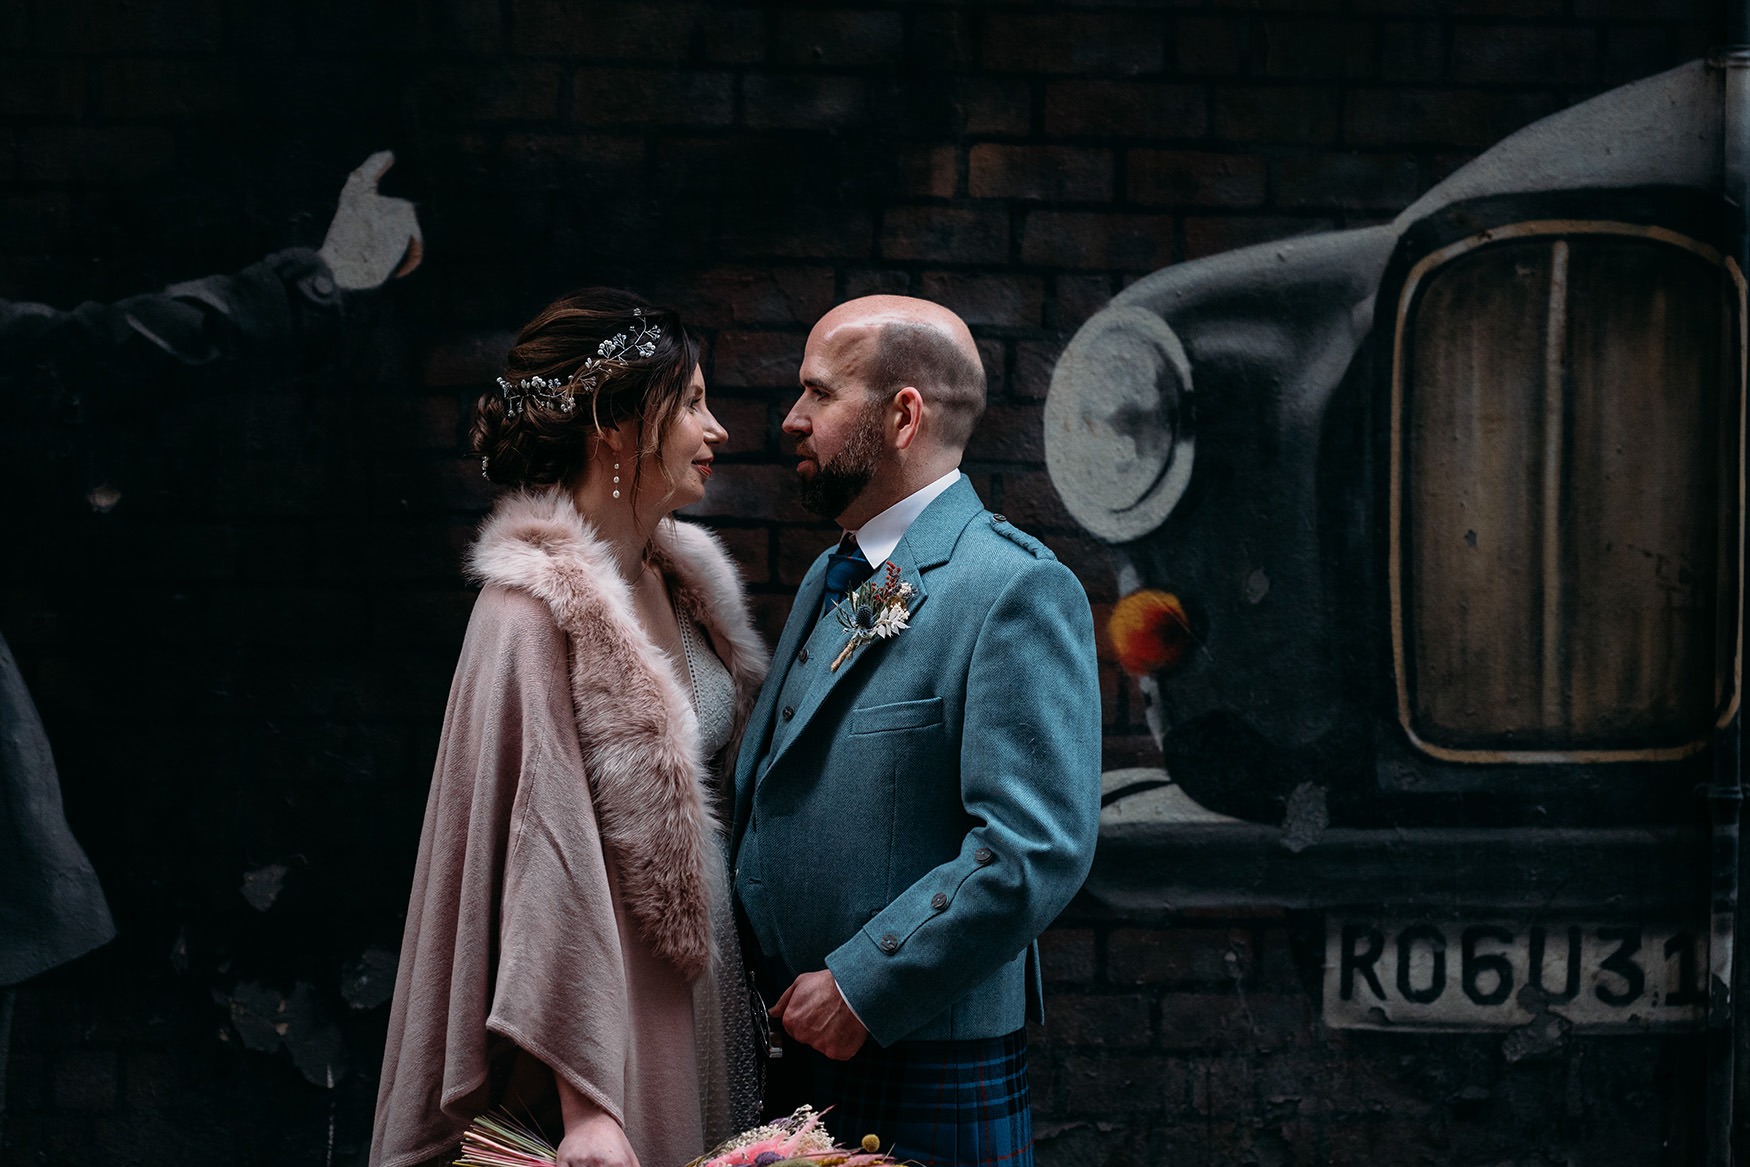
x=588 y=362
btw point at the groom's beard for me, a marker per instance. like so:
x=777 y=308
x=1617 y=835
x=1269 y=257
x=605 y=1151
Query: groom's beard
x=838 y=481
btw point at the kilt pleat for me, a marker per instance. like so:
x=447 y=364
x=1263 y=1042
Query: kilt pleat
x=930 y=1102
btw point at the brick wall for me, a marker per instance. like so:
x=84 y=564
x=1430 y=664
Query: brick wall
x=243 y=663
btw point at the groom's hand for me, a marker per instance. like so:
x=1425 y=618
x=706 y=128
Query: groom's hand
x=813 y=1011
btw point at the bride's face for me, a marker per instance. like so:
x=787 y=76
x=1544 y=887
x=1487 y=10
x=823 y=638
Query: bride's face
x=688 y=449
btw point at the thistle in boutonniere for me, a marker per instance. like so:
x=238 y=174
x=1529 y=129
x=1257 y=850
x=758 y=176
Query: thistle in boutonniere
x=873 y=611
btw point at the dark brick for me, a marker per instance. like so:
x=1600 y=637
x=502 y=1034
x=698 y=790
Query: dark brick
x=1699 y=11
x=1526 y=9
x=107 y=154
x=987 y=106
x=47 y=89
x=839 y=37
x=750 y=548
x=724 y=296
x=744 y=418
x=1317 y=48
x=1136 y=956
x=95 y=26
x=1040 y=172
x=801 y=233
x=1629 y=54
x=877 y=282
x=757 y=359
x=733 y=36
x=473 y=359
x=930 y=171
x=1032 y=502
x=760 y=493
x=1212 y=236
x=598 y=164
x=1115 y=1084
x=1110 y=1022
x=649 y=96
x=1090 y=239
x=1008 y=433
x=34 y=221
x=1212 y=46
x=989 y=299
x=1067 y=954
x=1078 y=297
x=1125 y=109
x=1116 y=43
x=798 y=548
x=1516 y=54
x=86 y=1080
x=557 y=28
x=1298 y=114
x=943 y=41
x=527 y=92
x=1386 y=181
x=1297 y=5
x=945 y=233
x=1034 y=360
x=995 y=360
x=1447 y=117
x=1412 y=51
x=805 y=102
x=1195 y=178
x=1224 y=1086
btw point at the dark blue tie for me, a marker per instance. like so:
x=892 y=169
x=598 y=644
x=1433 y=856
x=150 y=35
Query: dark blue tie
x=845 y=569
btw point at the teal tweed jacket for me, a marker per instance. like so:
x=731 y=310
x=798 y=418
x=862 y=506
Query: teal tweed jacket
x=914 y=819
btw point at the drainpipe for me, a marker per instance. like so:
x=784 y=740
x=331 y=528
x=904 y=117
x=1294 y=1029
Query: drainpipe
x=1728 y=1033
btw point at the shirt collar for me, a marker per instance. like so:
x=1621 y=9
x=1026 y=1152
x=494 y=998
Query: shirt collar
x=880 y=535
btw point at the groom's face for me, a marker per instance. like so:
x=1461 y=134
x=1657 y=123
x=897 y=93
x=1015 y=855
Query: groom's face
x=839 y=429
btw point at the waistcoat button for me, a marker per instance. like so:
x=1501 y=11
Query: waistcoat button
x=890 y=944
x=939 y=901
x=982 y=855
x=788 y=713
x=802 y=655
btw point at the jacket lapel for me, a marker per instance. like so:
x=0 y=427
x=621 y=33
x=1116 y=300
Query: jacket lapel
x=926 y=544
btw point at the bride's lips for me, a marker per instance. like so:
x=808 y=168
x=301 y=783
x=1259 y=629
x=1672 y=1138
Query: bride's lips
x=703 y=466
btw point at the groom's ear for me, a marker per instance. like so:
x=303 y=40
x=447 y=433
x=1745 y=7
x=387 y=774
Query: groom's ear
x=905 y=417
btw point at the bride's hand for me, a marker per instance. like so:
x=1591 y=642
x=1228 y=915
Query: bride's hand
x=592 y=1137
x=597 y=1141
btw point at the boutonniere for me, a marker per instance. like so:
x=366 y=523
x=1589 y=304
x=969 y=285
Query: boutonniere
x=873 y=611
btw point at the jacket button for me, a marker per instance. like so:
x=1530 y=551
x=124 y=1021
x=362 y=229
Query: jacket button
x=890 y=944
x=939 y=901
x=788 y=713
x=802 y=655
x=998 y=519
x=982 y=855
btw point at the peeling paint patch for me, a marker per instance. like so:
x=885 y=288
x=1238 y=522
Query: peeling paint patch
x=370 y=980
x=262 y=886
x=103 y=499
x=1257 y=586
x=266 y=1020
x=179 y=951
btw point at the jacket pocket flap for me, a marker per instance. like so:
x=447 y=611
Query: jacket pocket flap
x=898 y=715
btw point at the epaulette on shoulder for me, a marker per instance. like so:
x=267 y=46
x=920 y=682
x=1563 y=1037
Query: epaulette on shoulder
x=1020 y=538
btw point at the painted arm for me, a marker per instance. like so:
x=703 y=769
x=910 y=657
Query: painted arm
x=1030 y=781
x=291 y=294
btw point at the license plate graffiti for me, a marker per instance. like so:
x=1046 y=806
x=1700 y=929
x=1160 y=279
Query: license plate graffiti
x=1494 y=974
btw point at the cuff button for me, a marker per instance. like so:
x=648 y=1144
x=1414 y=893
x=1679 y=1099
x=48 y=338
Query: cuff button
x=939 y=901
x=890 y=944
x=982 y=855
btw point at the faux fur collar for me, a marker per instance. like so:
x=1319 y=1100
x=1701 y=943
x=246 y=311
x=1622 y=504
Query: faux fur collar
x=639 y=732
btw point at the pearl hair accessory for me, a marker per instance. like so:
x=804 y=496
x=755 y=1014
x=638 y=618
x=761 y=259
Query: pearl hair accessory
x=612 y=355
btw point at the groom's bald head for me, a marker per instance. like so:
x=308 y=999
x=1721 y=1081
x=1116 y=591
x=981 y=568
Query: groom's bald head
x=920 y=344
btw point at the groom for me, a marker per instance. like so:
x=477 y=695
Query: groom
x=918 y=792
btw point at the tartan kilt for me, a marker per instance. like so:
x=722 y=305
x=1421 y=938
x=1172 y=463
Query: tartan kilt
x=938 y=1103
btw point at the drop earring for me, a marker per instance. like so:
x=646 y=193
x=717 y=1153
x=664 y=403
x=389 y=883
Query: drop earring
x=616 y=480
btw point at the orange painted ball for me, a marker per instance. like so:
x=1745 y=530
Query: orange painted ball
x=1150 y=631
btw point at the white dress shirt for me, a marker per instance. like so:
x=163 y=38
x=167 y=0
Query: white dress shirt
x=877 y=538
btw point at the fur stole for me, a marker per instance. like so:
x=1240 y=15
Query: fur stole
x=634 y=716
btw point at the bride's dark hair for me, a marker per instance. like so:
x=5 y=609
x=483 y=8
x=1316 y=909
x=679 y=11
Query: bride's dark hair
x=541 y=443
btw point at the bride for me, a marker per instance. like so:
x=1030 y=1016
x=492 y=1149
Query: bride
x=569 y=951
